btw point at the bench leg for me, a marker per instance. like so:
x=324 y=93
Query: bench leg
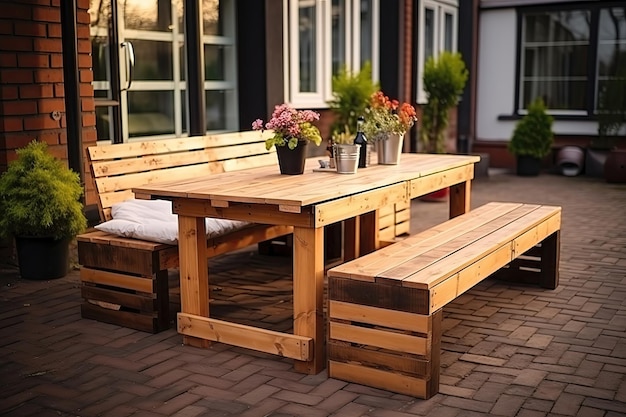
x=432 y=387
x=549 y=264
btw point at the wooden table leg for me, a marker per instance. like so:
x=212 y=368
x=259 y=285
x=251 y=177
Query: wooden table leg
x=369 y=241
x=460 y=198
x=351 y=241
x=194 y=272
x=308 y=294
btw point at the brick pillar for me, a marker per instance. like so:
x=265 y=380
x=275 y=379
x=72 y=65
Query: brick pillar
x=32 y=102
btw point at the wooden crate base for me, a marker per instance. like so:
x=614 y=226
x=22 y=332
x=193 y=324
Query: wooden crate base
x=363 y=349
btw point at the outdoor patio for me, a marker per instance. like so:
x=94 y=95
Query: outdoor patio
x=508 y=349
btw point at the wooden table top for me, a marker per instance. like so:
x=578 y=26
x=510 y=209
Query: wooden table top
x=266 y=185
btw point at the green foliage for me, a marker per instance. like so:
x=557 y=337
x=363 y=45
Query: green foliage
x=351 y=92
x=533 y=135
x=39 y=196
x=612 y=106
x=444 y=79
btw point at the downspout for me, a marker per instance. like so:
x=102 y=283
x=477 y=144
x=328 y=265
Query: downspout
x=71 y=80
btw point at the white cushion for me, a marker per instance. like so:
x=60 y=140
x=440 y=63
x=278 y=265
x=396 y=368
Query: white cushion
x=153 y=220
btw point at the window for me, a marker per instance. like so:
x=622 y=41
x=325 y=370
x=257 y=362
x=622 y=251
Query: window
x=571 y=57
x=150 y=92
x=437 y=32
x=324 y=36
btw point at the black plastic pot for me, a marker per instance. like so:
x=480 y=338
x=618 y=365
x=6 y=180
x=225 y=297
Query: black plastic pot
x=42 y=258
x=291 y=161
x=528 y=166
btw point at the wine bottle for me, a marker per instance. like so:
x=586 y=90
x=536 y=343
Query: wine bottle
x=361 y=140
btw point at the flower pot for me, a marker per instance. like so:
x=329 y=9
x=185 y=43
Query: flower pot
x=42 y=258
x=528 y=166
x=570 y=160
x=291 y=161
x=347 y=158
x=615 y=166
x=388 y=150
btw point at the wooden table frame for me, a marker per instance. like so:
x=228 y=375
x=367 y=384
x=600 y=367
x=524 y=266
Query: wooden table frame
x=308 y=202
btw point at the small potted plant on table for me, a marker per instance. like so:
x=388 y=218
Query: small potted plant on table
x=293 y=130
x=40 y=208
x=386 y=122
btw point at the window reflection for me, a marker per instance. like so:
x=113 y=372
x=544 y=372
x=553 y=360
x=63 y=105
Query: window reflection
x=367 y=31
x=214 y=62
x=150 y=113
x=215 y=110
x=153 y=15
x=429 y=33
x=212 y=17
x=153 y=60
x=339 y=33
x=99 y=13
x=308 y=45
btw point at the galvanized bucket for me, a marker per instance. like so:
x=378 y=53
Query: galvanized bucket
x=389 y=149
x=347 y=158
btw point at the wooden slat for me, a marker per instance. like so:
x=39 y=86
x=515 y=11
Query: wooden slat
x=378 y=378
x=117 y=280
x=290 y=346
x=379 y=316
x=454 y=262
x=377 y=263
x=384 y=339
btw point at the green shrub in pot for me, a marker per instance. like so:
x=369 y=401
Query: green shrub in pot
x=40 y=199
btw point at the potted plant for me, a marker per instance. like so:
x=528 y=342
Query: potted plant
x=532 y=139
x=444 y=79
x=40 y=208
x=386 y=122
x=293 y=130
x=351 y=95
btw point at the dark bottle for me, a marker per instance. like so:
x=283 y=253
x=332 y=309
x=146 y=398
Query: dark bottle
x=361 y=140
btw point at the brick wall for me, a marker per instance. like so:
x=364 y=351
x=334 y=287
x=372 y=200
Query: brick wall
x=32 y=92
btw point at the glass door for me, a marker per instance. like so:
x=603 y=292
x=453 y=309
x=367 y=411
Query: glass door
x=139 y=67
x=138 y=76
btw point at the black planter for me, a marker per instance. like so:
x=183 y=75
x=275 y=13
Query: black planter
x=528 y=166
x=291 y=161
x=42 y=258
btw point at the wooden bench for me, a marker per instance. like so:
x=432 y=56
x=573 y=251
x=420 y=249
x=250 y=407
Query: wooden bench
x=124 y=281
x=385 y=308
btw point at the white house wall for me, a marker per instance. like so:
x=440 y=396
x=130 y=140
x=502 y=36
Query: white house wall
x=496 y=73
x=497 y=49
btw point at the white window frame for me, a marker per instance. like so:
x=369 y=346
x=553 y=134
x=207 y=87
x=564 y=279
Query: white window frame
x=440 y=8
x=323 y=54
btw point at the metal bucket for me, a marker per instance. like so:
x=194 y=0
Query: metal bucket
x=389 y=149
x=347 y=158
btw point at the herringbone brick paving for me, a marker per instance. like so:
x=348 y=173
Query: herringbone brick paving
x=508 y=349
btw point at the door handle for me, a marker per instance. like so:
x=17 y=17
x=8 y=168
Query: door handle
x=129 y=53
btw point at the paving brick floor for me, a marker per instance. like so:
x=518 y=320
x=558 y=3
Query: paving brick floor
x=508 y=349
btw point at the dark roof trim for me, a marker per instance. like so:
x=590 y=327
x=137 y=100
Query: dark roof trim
x=499 y=4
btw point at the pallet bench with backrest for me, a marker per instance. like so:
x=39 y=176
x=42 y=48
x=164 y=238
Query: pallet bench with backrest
x=385 y=308
x=124 y=281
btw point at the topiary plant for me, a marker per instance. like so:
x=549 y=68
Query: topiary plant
x=39 y=196
x=444 y=79
x=533 y=135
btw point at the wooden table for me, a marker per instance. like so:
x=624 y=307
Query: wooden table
x=308 y=202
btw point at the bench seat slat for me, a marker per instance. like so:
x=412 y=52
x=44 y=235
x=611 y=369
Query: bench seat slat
x=464 y=255
x=464 y=238
x=376 y=263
